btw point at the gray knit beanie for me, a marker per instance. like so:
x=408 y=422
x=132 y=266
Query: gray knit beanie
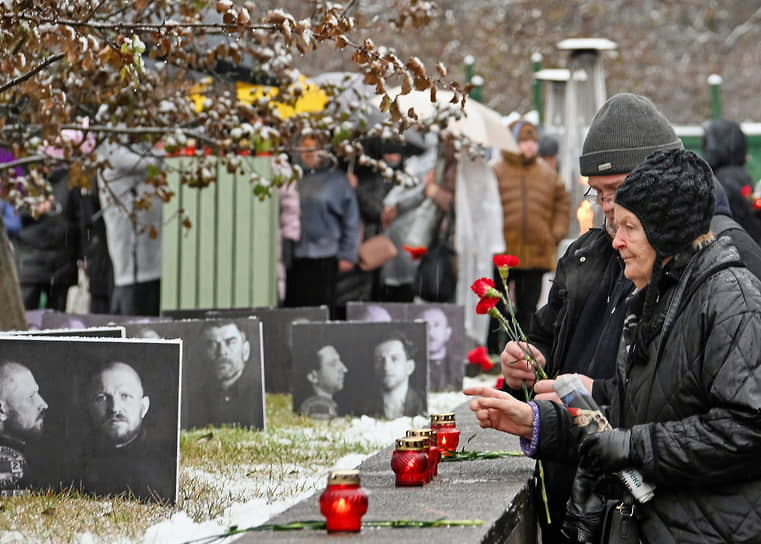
x=624 y=132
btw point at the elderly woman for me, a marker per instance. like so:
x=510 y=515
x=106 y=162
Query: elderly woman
x=687 y=409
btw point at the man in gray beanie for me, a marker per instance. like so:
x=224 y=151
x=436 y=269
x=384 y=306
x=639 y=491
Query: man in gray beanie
x=579 y=328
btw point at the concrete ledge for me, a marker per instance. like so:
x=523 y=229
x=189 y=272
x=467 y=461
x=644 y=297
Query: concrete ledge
x=496 y=491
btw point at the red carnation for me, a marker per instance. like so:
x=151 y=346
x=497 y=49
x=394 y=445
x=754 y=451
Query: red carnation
x=481 y=285
x=486 y=304
x=478 y=356
x=510 y=261
x=500 y=382
x=415 y=251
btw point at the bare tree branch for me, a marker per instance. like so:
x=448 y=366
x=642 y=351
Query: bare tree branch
x=739 y=30
x=348 y=8
x=44 y=64
x=21 y=162
x=221 y=27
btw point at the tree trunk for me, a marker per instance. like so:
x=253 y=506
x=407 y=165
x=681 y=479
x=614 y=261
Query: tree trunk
x=12 y=316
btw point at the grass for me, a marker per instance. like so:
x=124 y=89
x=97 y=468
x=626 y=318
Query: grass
x=218 y=467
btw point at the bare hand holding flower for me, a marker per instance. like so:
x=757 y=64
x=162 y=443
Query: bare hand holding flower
x=515 y=368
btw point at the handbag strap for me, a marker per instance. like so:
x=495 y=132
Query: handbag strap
x=449 y=218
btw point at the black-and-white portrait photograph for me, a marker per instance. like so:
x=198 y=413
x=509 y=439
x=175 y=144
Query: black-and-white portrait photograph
x=446 y=335
x=96 y=332
x=276 y=329
x=223 y=379
x=354 y=368
x=100 y=414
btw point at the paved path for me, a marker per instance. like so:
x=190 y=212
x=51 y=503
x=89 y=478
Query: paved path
x=493 y=490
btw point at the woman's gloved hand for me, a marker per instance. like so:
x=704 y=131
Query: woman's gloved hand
x=606 y=451
x=585 y=509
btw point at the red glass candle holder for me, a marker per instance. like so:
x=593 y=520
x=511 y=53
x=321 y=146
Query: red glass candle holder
x=447 y=434
x=427 y=451
x=434 y=454
x=344 y=502
x=410 y=461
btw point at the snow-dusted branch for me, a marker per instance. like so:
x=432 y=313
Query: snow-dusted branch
x=153 y=27
x=44 y=64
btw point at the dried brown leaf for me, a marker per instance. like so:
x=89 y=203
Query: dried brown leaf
x=422 y=83
x=395 y=111
x=406 y=84
x=244 y=17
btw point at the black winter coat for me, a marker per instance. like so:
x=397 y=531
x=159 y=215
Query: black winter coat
x=357 y=284
x=694 y=408
x=724 y=148
x=578 y=274
x=47 y=248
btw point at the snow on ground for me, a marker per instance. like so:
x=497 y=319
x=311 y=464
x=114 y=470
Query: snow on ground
x=377 y=433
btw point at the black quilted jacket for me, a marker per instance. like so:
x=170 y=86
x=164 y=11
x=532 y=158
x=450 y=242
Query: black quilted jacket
x=694 y=408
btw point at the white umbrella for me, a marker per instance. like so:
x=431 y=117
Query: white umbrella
x=479 y=123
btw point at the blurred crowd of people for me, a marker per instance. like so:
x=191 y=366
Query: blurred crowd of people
x=94 y=237
x=325 y=217
x=342 y=206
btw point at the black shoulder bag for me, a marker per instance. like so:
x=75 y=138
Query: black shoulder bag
x=436 y=278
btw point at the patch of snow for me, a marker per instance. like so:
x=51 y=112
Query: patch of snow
x=180 y=528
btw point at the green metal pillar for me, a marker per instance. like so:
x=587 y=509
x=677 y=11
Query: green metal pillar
x=536 y=63
x=714 y=81
x=477 y=92
x=469 y=65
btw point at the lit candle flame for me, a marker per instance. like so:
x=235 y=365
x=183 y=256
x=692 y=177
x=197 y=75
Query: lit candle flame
x=341 y=506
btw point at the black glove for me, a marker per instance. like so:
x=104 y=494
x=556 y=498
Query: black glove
x=585 y=510
x=607 y=451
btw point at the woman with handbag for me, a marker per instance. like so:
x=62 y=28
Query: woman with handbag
x=687 y=409
x=436 y=276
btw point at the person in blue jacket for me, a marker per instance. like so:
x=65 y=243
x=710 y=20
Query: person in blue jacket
x=329 y=239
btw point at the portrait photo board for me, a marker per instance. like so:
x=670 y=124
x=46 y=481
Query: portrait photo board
x=73 y=448
x=96 y=332
x=446 y=370
x=276 y=325
x=62 y=320
x=355 y=342
x=204 y=402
